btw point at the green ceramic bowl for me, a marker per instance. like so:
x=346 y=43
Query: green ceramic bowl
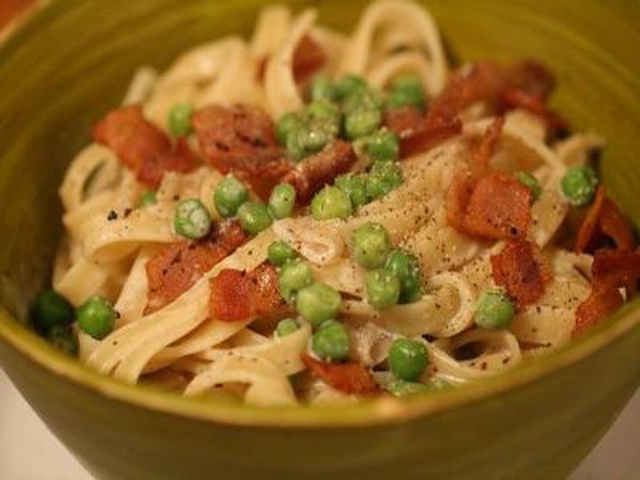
x=71 y=62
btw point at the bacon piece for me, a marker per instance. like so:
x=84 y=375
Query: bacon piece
x=142 y=146
x=499 y=208
x=524 y=85
x=616 y=226
x=428 y=134
x=519 y=270
x=533 y=78
x=237 y=137
x=402 y=120
x=417 y=134
x=513 y=98
x=237 y=295
x=487 y=146
x=181 y=264
x=604 y=218
x=611 y=270
x=350 y=377
x=241 y=139
x=589 y=225
x=320 y=169
x=308 y=58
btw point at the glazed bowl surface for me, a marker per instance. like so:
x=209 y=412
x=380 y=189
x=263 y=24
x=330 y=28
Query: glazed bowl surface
x=71 y=61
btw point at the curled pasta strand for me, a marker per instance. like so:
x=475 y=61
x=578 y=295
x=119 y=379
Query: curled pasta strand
x=267 y=385
x=282 y=93
x=408 y=17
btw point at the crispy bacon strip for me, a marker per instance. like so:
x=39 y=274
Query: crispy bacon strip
x=487 y=146
x=241 y=139
x=524 y=85
x=611 y=270
x=320 y=169
x=142 y=146
x=237 y=295
x=181 y=264
x=604 y=218
x=518 y=268
x=351 y=377
x=417 y=134
x=499 y=208
x=308 y=58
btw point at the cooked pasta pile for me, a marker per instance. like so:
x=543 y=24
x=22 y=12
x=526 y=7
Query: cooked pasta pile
x=472 y=188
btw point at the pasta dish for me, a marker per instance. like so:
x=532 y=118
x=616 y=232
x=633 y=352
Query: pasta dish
x=308 y=216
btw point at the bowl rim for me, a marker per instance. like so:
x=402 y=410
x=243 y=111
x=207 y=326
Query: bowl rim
x=367 y=413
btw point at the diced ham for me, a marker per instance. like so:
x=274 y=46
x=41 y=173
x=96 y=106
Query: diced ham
x=350 y=377
x=181 y=264
x=612 y=270
x=499 y=208
x=519 y=270
x=241 y=139
x=308 y=58
x=141 y=146
x=320 y=169
x=237 y=295
x=604 y=219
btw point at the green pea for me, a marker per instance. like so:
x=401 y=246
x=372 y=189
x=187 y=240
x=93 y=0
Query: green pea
x=280 y=252
x=331 y=202
x=282 y=200
x=229 y=196
x=294 y=276
x=383 y=146
x=383 y=289
x=354 y=186
x=407 y=268
x=63 y=338
x=51 y=309
x=531 y=183
x=407 y=91
x=96 y=317
x=191 y=219
x=371 y=245
x=331 y=342
x=286 y=327
x=310 y=137
x=148 y=198
x=408 y=359
x=289 y=122
x=180 y=119
x=349 y=86
x=362 y=121
x=325 y=111
x=254 y=217
x=383 y=178
x=296 y=143
x=318 y=302
x=494 y=310
x=579 y=185
x=317 y=135
x=400 y=388
x=323 y=89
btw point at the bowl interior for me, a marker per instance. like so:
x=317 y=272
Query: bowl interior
x=56 y=94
